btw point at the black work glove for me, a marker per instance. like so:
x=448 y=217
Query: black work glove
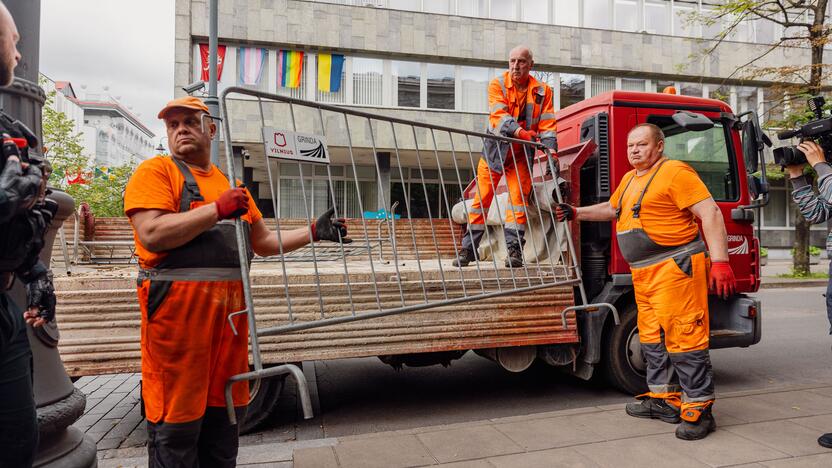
x=41 y=298
x=564 y=212
x=20 y=187
x=327 y=228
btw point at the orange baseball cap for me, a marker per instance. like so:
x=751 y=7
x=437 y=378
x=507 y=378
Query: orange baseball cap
x=187 y=102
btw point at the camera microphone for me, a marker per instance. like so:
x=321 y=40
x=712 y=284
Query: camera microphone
x=786 y=134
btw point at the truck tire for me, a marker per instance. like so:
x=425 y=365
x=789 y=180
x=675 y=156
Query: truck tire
x=263 y=404
x=623 y=364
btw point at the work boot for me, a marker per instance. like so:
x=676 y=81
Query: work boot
x=464 y=257
x=514 y=259
x=825 y=440
x=654 y=408
x=699 y=429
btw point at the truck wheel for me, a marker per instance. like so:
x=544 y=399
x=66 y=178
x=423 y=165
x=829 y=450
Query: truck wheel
x=263 y=404
x=624 y=365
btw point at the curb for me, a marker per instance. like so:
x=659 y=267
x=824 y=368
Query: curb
x=793 y=284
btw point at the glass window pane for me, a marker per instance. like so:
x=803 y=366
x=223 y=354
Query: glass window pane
x=440 y=86
x=657 y=17
x=474 y=89
x=567 y=13
x=504 y=9
x=406 y=79
x=746 y=99
x=367 y=76
x=773 y=103
x=571 y=89
x=626 y=15
x=682 y=26
x=742 y=32
x=326 y=96
x=438 y=6
x=711 y=31
x=774 y=213
x=412 y=5
x=535 y=11
x=661 y=85
x=471 y=8
x=597 y=14
x=722 y=93
x=630 y=84
x=602 y=84
x=550 y=78
x=707 y=152
x=691 y=89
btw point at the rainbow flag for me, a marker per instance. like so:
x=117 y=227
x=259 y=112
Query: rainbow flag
x=251 y=61
x=330 y=67
x=289 y=68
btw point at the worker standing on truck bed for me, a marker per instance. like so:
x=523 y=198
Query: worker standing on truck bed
x=521 y=107
x=656 y=206
x=182 y=209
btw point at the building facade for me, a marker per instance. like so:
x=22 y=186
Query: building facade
x=111 y=134
x=431 y=60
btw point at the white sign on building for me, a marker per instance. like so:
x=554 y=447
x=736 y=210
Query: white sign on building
x=293 y=146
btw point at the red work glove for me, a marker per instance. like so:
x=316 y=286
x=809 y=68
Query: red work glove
x=722 y=279
x=564 y=212
x=528 y=135
x=232 y=203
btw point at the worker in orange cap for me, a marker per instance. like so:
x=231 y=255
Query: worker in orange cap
x=656 y=206
x=521 y=107
x=182 y=209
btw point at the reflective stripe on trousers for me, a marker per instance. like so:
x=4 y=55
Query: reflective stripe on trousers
x=672 y=300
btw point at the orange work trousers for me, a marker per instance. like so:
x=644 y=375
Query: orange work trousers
x=519 y=183
x=188 y=348
x=674 y=330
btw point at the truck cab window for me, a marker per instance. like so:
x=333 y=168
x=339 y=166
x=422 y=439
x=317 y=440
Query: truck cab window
x=708 y=152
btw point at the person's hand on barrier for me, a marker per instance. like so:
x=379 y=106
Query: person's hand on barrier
x=528 y=135
x=232 y=203
x=722 y=279
x=41 y=300
x=565 y=212
x=328 y=228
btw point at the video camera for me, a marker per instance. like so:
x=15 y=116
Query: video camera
x=818 y=130
x=17 y=139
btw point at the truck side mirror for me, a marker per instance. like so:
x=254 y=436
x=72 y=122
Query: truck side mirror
x=692 y=121
x=750 y=148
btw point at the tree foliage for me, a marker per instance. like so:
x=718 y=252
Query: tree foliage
x=103 y=187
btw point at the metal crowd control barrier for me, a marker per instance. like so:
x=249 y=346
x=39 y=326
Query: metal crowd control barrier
x=424 y=279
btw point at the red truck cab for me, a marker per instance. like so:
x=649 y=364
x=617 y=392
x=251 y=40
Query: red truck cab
x=718 y=155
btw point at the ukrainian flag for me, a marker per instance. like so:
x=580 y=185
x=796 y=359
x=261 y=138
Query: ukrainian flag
x=330 y=67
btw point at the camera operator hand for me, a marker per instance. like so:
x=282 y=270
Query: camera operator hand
x=813 y=152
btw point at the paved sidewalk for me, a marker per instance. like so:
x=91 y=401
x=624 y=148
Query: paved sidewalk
x=756 y=429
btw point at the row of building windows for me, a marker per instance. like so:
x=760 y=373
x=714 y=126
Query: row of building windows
x=397 y=83
x=667 y=17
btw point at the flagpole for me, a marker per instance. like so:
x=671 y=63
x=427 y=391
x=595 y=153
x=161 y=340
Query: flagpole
x=212 y=100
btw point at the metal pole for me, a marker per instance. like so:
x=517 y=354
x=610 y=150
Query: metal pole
x=212 y=101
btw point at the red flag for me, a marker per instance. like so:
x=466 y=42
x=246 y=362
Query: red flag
x=77 y=178
x=203 y=53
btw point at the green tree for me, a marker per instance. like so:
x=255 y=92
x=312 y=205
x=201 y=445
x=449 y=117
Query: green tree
x=103 y=188
x=804 y=25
